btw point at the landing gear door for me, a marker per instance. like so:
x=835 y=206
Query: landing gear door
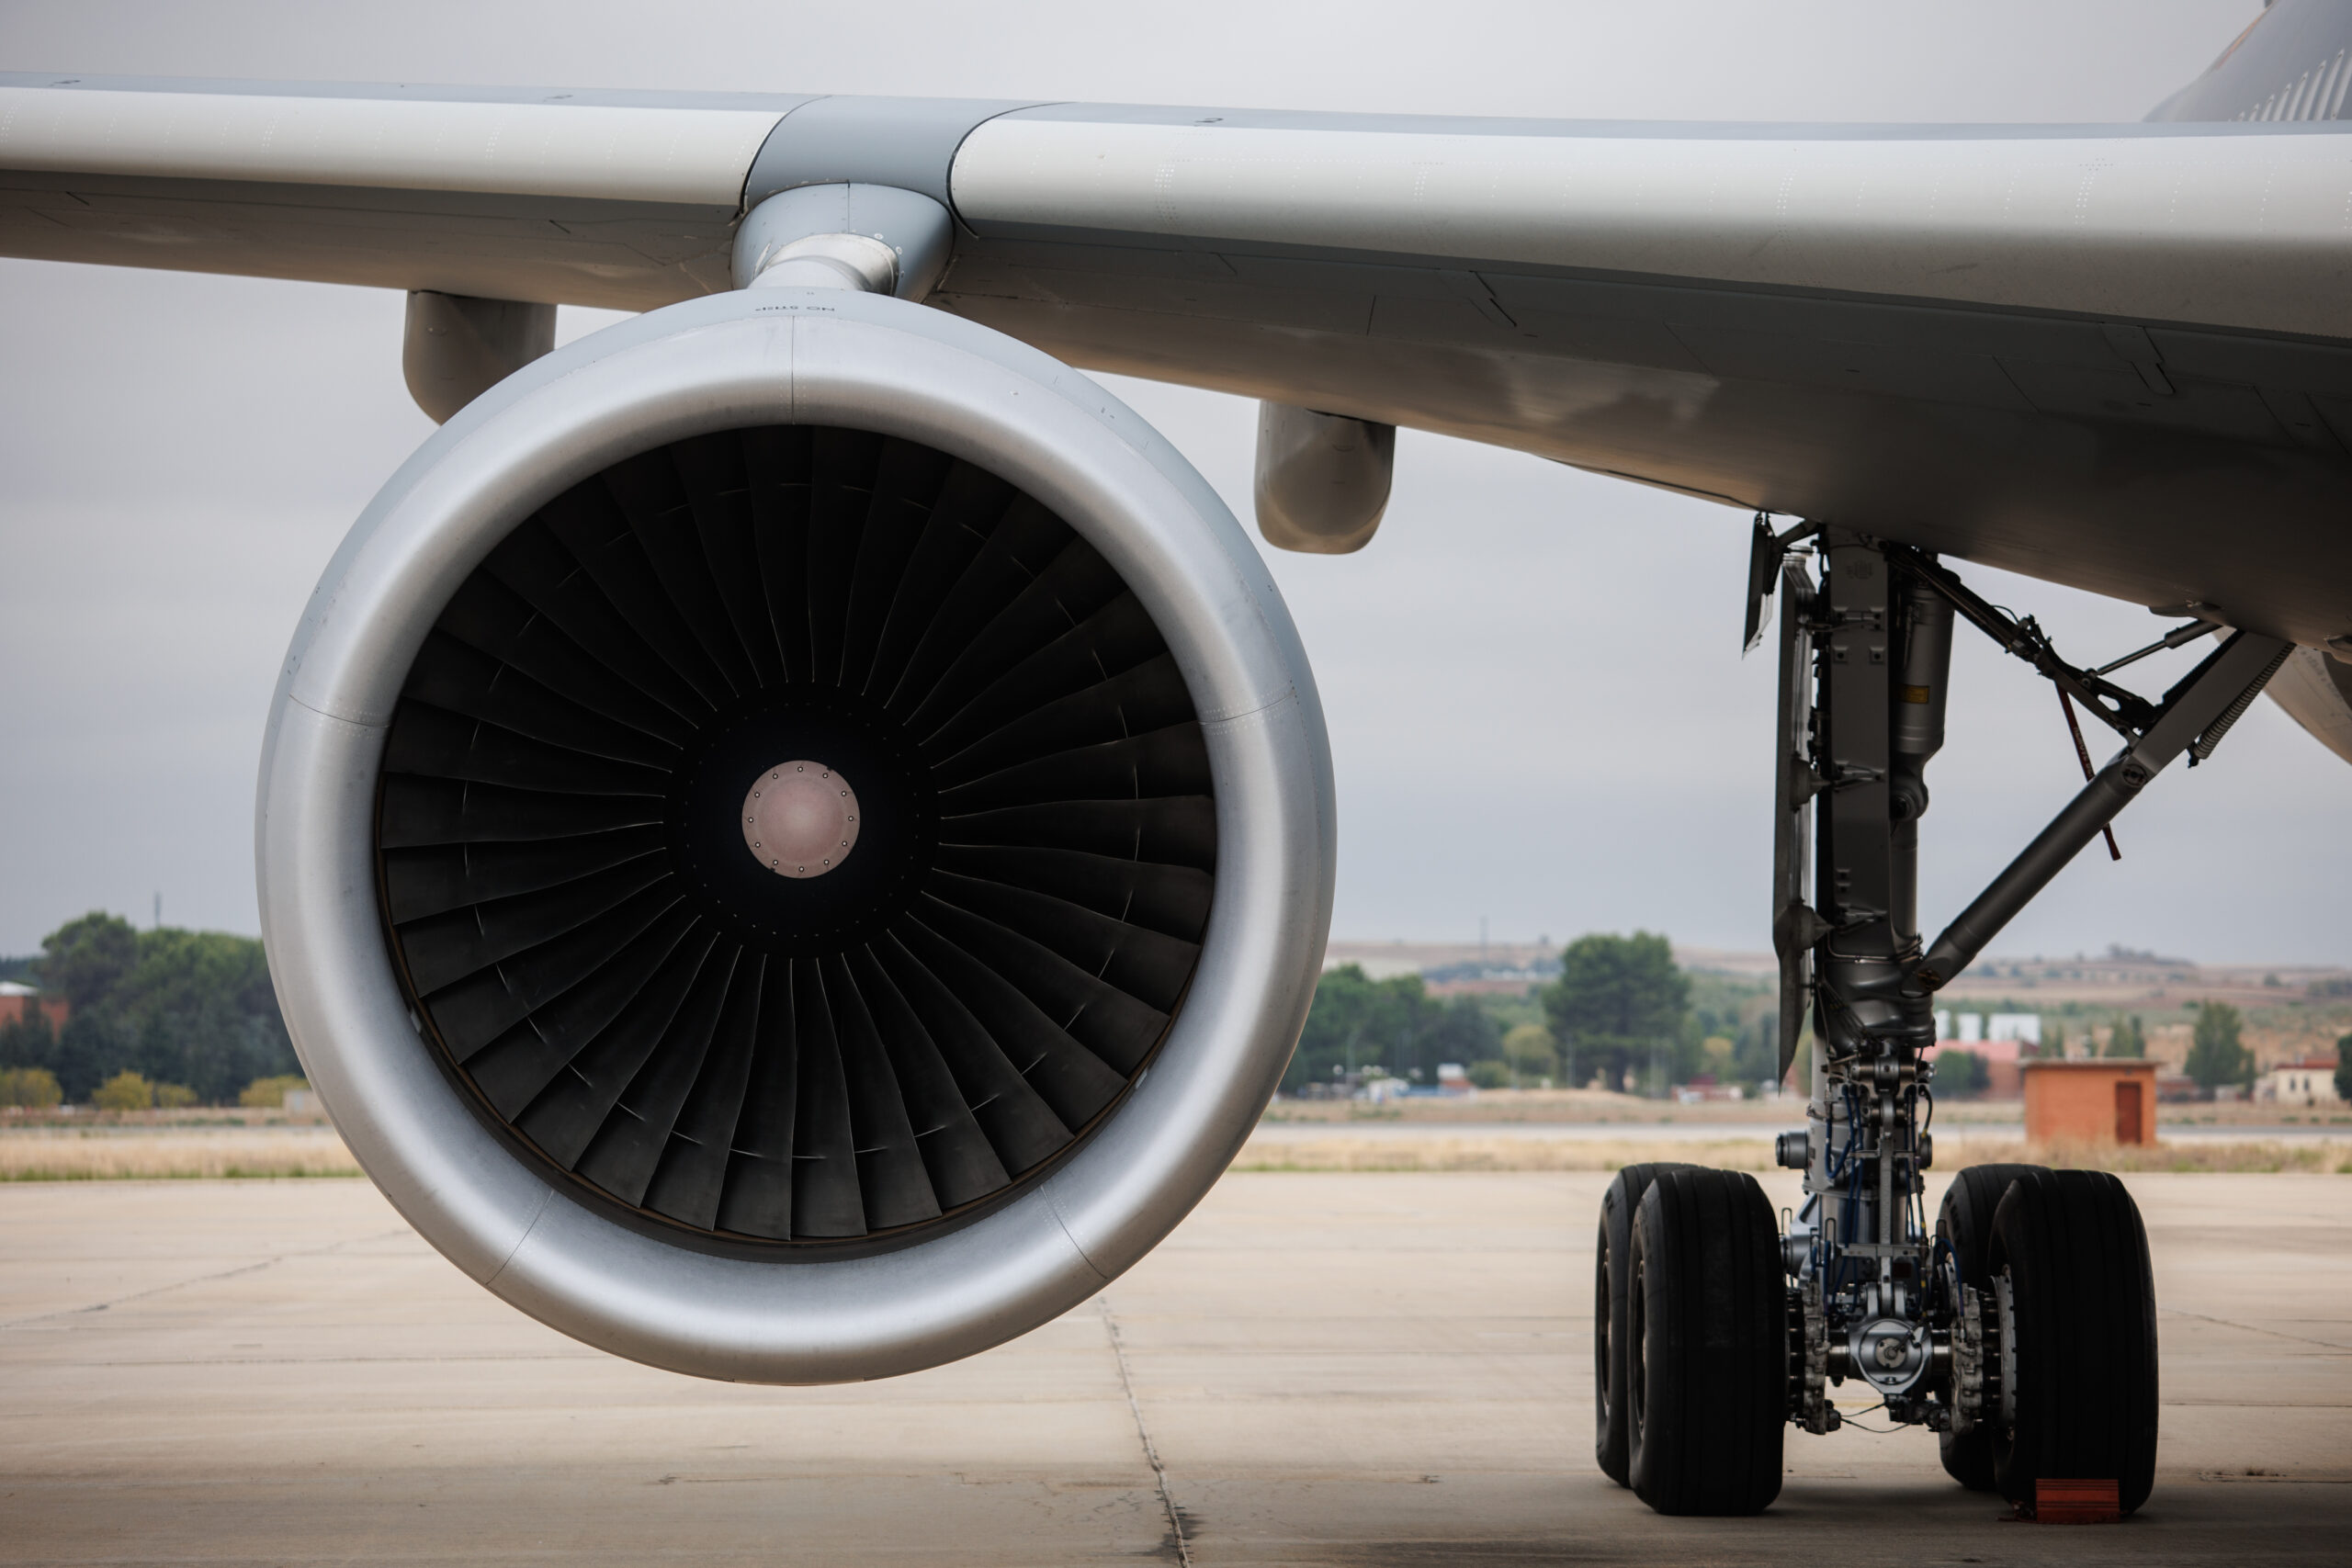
x=1792 y=793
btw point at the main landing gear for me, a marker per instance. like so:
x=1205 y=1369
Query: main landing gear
x=2022 y=1330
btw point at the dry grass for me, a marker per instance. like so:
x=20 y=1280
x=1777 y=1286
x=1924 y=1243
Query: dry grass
x=2252 y=1156
x=1439 y=1152
x=49 y=1156
x=1339 y=1152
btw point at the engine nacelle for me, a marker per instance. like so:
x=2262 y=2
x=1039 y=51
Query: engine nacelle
x=2315 y=689
x=796 y=837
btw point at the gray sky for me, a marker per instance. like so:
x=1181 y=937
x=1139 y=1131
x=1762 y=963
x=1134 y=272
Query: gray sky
x=1532 y=675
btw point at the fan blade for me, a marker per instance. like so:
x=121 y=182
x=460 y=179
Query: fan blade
x=685 y=993
x=825 y=1197
x=492 y=618
x=1021 y=1127
x=1072 y=587
x=1023 y=543
x=622 y=1158
x=433 y=881
x=891 y=1175
x=515 y=1068
x=1110 y=642
x=906 y=483
x=963 y=1165
x=1144 y=700
x=1174 y=830
x=841 y=492
x=532 y=564
x=440 y=744
x=1068 y=1077
x=445 y=948
x=1137 y=963
x=413 y=812
x=719 y=490
x=483 y=1006
x=455 y=678
x=1119 y=1029
x=699 y=1155
x=1173 y=760
x=971 y=505
x=778 y=462
x=1170 y=899
x=593 y=528
x=651 y=496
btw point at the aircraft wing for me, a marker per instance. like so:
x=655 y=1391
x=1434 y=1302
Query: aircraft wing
x=2116 y=356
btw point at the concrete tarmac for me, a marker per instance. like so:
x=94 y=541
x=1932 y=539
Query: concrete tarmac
x=1377 y=1370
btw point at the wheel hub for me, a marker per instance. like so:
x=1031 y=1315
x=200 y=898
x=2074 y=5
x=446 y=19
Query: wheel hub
x=1889 y=1353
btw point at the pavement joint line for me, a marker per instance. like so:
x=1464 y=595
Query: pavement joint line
x=200 y=1279
x=2251 y=1328
x=1150 y=1449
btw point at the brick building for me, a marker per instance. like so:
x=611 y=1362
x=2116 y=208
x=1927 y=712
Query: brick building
x=18 y=1000
x=2101 y=1101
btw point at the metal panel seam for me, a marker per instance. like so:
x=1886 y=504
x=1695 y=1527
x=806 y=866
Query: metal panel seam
x=547 y=1196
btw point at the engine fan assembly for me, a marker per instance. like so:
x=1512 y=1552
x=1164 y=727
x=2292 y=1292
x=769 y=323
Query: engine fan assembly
x=796 y=837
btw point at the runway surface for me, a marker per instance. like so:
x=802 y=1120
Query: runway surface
x=1377 y=1370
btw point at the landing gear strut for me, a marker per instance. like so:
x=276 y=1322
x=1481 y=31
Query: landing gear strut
x=2022 y=1330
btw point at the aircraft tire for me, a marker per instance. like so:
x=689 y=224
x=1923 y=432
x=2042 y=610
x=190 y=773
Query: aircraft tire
x=1964 y=1224
x=1707 y=1369
x=1611 y=1269
x=2084 y=1309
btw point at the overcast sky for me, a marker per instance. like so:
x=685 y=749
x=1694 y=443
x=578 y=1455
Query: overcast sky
x=1532 y=675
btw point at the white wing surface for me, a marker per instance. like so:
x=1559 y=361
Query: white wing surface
x=2116 y=356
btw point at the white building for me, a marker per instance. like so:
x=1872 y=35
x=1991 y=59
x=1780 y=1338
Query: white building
x=2310 y=1082
x=2025 y=1026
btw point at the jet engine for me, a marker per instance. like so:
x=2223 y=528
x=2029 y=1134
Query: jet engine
x=2315 y=688
x=796 y=837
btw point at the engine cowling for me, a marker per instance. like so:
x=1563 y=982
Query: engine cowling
x=796 y=837
x=2315 y=689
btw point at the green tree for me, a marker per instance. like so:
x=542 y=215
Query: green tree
x=85 y=960
x=1395 y=1024
x=180 y=1006
x=203 y=1013
x=1960 y=1075
x=1739 y=1008
x=124 y=1091
x=1620 y=1003
x=34 y=1089
x=2344 y=1066
x=2216 y=1057
x=2128 y=1039
x=1529 y=1052
x=269 y=1093
x=29 y=1042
